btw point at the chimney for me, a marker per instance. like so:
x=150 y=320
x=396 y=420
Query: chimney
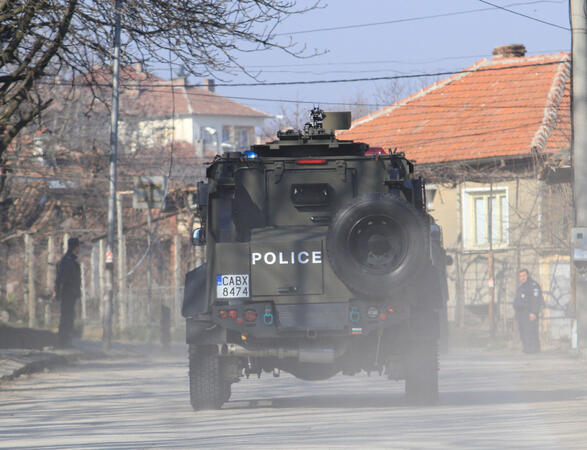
x=139 y=67
x=179 y=81
x=210 y=85
x=510 y=51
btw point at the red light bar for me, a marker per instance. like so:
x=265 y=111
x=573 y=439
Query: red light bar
x=232 y=313
x=250 y=315
x=311 y=161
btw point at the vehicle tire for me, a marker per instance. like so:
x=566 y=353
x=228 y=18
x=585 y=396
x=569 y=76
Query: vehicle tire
x=422 y=373
x=227 y=391
x=207 y=386
x=377 y=243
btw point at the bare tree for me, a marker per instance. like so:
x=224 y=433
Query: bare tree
x=41 y=39
x=293 y=117
x=358 y=105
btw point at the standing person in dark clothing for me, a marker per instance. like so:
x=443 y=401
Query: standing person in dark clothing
x=527 y=305
x=68 y=290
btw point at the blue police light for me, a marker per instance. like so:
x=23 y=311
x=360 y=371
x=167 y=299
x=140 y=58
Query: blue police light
x=250 y=154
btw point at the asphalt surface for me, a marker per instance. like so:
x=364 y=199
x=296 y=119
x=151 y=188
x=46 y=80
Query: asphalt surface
x=488 y=400
x=15 y=362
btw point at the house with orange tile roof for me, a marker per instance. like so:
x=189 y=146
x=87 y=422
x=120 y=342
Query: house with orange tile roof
x=492 y=142
x=157 y=112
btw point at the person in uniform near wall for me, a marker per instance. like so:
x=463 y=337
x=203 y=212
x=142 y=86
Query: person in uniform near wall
x=68 y=290
x=527 y=305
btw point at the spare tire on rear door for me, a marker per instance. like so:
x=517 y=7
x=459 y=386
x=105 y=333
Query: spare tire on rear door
x=377 y=243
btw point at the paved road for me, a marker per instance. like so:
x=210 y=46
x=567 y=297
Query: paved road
x=488 y=400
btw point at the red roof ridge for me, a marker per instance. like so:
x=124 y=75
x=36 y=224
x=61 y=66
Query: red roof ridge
x=197 y=90
x=555 y=95
x=436 y=85
x=517 y=60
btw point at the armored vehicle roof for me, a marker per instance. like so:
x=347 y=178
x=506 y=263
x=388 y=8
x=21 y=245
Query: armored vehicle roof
x=318 y=142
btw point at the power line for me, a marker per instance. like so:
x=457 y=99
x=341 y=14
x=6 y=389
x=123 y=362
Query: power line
x=389 y=61
x=332 y=81
x=411 y=19
x=525 y=15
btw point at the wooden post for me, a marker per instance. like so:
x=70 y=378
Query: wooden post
x=30 y=268
x=121 y=275
x=101 y=274
x=176 y=276
x=490 y=267
x=84 y=298
x=4 y=257
x=459 y=263
x=149 y=273
x=122 y=284
x=64 y=243
x=51 y=265
x=94 y=276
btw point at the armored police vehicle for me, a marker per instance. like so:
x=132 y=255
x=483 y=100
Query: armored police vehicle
x=320 y=259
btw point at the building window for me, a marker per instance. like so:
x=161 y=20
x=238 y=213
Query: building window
x=226 y=134
x=479 y=204
x=210 y=144
x=242 y=139
x=162 y=135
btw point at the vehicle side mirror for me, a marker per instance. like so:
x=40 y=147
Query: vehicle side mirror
x=197 y=198
x=448 y=260
x=199 y=237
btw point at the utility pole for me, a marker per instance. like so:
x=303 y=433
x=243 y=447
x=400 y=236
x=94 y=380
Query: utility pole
x=109 y=300
x=578 y=11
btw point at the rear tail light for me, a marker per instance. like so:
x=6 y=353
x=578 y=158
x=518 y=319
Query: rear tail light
x=390 y=310
x=311 y=161
x=223 y=313
x=232 y=314
x=250 y=315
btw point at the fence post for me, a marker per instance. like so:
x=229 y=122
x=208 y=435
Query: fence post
x=176 y=277
x=94 y=276
x=29 y=251
x=122 y=295
x=84 y=298
x=122 y=283
x=50 y=282
x=64 y=242
x=101 y=276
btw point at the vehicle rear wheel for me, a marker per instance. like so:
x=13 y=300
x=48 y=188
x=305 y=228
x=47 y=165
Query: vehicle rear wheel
x=208 y=389
x=422 y=372
x=377 y=243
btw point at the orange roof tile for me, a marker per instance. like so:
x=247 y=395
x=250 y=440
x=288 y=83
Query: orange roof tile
x=501 y=107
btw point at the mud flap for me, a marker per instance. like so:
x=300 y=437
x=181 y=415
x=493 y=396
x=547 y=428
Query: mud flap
x=194 y=296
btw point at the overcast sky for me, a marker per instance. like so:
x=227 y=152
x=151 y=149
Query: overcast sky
x=421 y=36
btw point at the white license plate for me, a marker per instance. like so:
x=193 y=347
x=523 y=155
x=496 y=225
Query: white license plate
x=232 y=286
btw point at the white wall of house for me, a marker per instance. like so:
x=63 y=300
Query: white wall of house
x=205 y=132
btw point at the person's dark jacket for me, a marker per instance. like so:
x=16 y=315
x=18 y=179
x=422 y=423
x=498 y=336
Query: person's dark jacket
x=528 y=298
x=68 y=279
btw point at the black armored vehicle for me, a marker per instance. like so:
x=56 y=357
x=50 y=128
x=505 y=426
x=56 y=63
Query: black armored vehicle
x=320 y=259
